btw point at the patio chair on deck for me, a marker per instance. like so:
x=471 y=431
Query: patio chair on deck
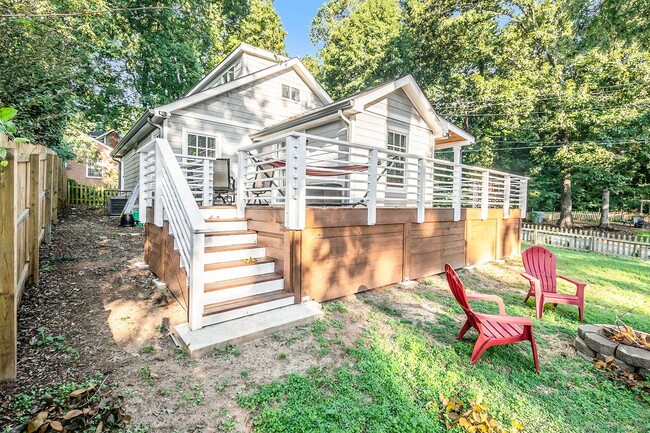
x=492 y=330
x=540 y=265
x=223 y=184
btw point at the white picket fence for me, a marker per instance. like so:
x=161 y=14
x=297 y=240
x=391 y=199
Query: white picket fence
x=595 y=216
x=587 y=240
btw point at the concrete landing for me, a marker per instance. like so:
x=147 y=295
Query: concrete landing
x=205 y=340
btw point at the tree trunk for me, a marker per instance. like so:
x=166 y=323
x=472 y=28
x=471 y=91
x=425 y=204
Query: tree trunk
x=604 y=209
x=566 y=205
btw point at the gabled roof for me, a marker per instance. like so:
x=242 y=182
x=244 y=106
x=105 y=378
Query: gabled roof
x=358 y=103
x=242 y=48
x=294 y=64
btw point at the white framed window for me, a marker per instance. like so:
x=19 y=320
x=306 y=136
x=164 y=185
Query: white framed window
x=291 y=93
x=199 y=144
x=93 y=170
x=395 y=174
x=229 y=75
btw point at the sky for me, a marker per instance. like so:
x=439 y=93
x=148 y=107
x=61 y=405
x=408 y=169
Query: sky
x=296 y=16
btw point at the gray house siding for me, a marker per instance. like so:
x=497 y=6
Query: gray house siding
x=397 y=114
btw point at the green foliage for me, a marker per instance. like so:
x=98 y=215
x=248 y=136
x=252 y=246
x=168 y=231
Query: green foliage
x=98 y=71
x=550 y=89
x=397 y=369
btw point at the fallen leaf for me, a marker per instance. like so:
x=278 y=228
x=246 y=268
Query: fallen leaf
x=56 y=425
x=72 y=414
x=37 y=422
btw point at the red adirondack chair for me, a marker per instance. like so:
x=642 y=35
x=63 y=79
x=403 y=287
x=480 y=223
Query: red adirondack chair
x=492 y=330
x=540 y=265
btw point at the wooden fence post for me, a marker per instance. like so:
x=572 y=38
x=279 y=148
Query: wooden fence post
x=49 y=170
x=8 y=336
x=34 y=214
x=55 y=190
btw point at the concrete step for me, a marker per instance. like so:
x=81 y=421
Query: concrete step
x=242 y=287
x=237 y=269
x=237 y=331
x=227 y=225
x=233 y=252
x=222 y=239
x=218 y=212
x=241 y=307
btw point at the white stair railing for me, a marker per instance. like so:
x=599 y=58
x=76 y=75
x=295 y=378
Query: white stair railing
x=165 y=188
x=297 y=170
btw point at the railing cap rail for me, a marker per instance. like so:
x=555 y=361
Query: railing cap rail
x=367 y=147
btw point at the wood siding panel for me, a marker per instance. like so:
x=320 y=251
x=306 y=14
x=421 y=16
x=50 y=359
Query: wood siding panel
x=481 y=241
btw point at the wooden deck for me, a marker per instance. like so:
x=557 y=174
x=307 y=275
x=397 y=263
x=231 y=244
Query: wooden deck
x=337 y=254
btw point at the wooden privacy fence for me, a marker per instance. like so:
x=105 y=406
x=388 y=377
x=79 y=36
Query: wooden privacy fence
x=32 y=189
x=594 y=216
x=88 y=195
x=588 y=240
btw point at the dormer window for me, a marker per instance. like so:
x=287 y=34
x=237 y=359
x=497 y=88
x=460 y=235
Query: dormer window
x=229 y=75
x=291 y=93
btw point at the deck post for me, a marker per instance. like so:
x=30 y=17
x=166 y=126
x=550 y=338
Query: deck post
x=457 y=187
x=506 y=197
x=241 y=184
x=422 y=189
x=485 y=194
x=158 y=198
x=196 y=282
x=296 y=182
x=523 y=197
x=372 y=186
x=207 y=193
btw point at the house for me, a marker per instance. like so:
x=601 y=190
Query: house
x=332 y=197
x=94 y=165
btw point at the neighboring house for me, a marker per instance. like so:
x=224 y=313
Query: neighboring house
x=94 y=164
x=332 y=197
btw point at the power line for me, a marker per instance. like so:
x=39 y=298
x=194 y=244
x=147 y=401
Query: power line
x=601 y=91
x=85 y=13
x=554 y=145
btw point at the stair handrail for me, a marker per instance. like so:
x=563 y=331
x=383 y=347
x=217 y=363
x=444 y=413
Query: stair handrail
x=174 y=202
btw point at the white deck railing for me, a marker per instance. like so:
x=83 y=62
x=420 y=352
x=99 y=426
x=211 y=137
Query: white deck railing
x=171 y=188
x=297 y=170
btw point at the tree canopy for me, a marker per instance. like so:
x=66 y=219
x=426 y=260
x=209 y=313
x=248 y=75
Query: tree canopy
x=556 y=90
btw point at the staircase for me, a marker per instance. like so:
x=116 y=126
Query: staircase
x=243 y=294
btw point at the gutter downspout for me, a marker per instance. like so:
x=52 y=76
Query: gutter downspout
x=158 y=127
x=349 y=124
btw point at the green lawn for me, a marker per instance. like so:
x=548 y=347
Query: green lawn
x=406 y=355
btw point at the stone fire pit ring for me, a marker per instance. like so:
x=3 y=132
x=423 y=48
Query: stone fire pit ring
x=592 y=344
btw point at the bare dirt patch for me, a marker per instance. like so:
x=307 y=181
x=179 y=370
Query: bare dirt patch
x=94 y=312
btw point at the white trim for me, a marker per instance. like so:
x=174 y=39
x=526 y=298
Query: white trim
x=97 y=167
x=295 y=64
x=215 y=119
x=241 y=49
x=407 y=140
x=217 y=140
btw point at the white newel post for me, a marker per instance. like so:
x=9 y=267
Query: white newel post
x=142 y=202
x=422 y=189
x=373 y=161
x=207 y=191
x=485 y=194
x=506 y=197
x=296 y=182
x=241 y=184
x=523 y=197
x=457 y=187
x=158 y=202
x=196 y=282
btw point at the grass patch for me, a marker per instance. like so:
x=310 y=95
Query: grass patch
x=399 y=366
